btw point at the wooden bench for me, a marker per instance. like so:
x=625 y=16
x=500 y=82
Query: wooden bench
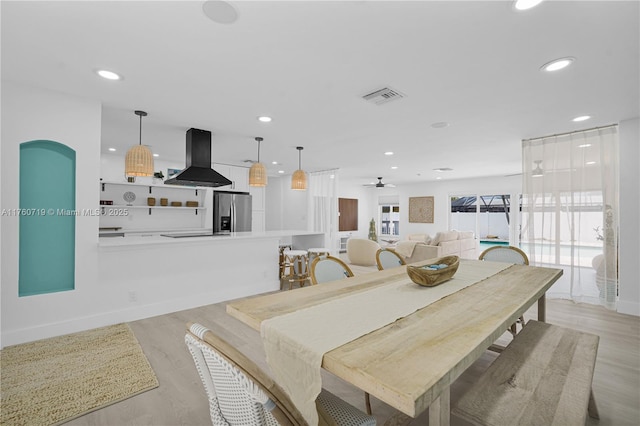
x=543 y=377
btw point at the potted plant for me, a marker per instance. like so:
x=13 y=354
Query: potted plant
x=158 y=177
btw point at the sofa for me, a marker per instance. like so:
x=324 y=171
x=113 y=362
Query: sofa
x=418 y=247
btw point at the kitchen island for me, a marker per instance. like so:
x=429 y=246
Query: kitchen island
x=149 y=274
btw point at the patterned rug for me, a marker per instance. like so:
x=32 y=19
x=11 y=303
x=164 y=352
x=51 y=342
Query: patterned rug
x=54 y=380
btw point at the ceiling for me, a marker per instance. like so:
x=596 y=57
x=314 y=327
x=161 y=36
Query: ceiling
x=475 y=65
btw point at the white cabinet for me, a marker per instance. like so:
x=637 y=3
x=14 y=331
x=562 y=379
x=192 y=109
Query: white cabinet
x=131 y=207
x=239 y=177
x=257 y=208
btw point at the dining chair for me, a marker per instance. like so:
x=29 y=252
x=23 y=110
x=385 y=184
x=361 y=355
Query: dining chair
x=240 y=393
x=508 y=254
x=328 y=268
x=386 y=258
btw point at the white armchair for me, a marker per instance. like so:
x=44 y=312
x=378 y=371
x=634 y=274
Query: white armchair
x=362 y=252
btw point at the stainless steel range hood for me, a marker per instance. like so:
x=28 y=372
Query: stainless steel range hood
x=198 y=171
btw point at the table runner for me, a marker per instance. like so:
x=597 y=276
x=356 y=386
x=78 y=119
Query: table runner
x=296 y=342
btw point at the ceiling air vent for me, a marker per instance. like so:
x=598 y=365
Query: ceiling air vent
x=382 y=96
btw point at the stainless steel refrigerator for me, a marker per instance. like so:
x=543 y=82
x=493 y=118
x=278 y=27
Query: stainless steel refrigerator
x=231 y=212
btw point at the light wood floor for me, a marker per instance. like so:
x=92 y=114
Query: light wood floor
x=180 y=398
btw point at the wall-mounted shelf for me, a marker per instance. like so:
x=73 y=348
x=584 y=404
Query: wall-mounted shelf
x=124 y=206
x=130 y=199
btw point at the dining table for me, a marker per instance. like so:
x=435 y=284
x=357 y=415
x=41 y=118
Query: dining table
x=410 y=360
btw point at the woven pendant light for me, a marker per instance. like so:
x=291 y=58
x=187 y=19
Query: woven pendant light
x=139 y=159
x=258 y=172
x=299 y=178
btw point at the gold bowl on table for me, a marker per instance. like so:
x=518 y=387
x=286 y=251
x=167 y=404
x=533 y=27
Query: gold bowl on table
x=423 y=276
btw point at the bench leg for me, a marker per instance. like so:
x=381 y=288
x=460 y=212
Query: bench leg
x=592 y=408
x=440 y=410
x=542 y=308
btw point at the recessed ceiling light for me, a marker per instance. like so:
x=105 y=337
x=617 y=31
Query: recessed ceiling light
x=440 y=125
x=274 y=162
x=281 y=171
x=582 y=118
x=439 y=177
x=220 y=11
x=394 y=167
x=584 y=145
x=112 y=149
x=589 y=163
x=557 y=64
x=388 y=153
x=526 y=4
x=109 y=75
x=156 y=155
x=264 y=119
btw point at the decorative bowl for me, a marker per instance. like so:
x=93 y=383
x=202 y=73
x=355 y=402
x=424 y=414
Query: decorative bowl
x=432 y=277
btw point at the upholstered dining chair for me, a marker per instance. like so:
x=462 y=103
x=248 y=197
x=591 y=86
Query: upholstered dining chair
x=386 y=259
x=240 y=393
x=328 y=268
x=508 y=254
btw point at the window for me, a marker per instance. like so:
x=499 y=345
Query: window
x=389 y=218
x=488 y=216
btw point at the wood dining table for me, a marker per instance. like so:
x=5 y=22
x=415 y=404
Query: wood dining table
x=411 y=363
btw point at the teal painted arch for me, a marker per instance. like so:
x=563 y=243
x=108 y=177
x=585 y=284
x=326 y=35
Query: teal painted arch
x=47 y=218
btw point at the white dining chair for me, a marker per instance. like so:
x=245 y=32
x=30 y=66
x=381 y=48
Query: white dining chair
x=508 y=254
x=386 y=259
x=329 y=268
x=240 y=393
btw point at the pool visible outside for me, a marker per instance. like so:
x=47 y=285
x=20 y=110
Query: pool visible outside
x=546 y=253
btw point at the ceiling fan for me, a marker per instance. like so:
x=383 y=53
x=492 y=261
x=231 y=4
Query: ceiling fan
x=380 y=184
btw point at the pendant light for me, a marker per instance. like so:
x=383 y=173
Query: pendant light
x=258 y=172
x=139 y=159
x=299 y=178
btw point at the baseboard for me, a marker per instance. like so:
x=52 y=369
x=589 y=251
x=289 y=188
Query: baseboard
x=136 y=312
x=629 y=308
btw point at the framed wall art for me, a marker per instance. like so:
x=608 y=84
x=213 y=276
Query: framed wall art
x=420 y=209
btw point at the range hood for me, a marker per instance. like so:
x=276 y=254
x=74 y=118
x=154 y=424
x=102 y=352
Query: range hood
x=198 y=171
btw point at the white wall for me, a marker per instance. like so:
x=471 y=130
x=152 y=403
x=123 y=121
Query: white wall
x=286 y=209
x=34 y=114
x=629 y=241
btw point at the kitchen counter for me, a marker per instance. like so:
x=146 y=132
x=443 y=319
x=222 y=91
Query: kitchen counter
x=300 y=239
x=147 y=274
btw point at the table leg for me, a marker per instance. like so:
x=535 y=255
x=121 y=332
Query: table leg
x=542 y=308
x=439 y=410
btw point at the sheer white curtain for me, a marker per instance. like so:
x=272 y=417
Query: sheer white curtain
x=323 y=206
x=570 y=211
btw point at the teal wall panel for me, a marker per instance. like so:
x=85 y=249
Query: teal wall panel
x=47 y=218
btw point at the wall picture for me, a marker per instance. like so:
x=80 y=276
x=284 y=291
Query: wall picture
x=420 y=209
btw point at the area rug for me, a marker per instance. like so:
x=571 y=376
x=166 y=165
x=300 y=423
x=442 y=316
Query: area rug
x=54 y=380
